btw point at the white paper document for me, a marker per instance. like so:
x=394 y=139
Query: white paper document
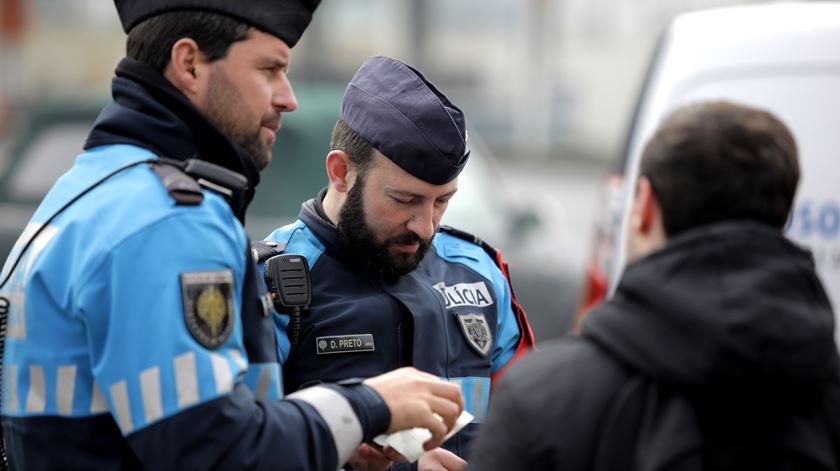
x=409 y=443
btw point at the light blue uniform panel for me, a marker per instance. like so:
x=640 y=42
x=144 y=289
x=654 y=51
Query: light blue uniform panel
x=265 y=381
x=476 y=393
x=117 y=310
x=299 y=240
x=455 y=250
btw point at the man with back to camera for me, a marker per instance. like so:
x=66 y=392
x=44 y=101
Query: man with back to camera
x=138 y=334
x=388 y=288
x=717 y=350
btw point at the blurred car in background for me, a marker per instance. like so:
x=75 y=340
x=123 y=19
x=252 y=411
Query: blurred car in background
x=44 y=143
x=48 y=140
x=780 y=57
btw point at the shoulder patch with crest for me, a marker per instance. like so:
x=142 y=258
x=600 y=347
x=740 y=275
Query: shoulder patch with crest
x=477 y=332
x=208 y=305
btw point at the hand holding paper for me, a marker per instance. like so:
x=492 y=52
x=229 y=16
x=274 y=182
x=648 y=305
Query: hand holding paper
x=409 y=443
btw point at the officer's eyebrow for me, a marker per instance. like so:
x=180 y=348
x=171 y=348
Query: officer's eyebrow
x=412 y=194
x=275 y=62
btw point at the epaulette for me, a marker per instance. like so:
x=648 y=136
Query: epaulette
x=262 y=250
x=182 y=187
x=470 y=238
x=184 y=179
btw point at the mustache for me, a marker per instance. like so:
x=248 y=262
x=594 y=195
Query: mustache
x=406 y=238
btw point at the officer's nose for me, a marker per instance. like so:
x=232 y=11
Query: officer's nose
x=423 y=222
x=284 y=99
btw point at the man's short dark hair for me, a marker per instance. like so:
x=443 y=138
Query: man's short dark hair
x=151 y=41
x=715 y=161
x=349 y=142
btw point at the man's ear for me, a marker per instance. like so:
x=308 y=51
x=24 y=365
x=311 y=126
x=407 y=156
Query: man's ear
x=645 y=207
x=646 y=232
x=186 y=67
x=338 y=170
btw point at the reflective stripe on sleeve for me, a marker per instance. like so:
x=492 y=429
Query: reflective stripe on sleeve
x=10 y=402
x=36 y=399
x=151 y=395
x=119 y=397
x=264 y=382
x=337 y=412
x=186 y=379
x=221 y=373
x=98 y=404
x=64 y=388
x=237 y=357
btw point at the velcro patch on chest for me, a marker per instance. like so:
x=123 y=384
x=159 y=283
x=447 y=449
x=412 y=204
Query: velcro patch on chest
x=208 y=305
x=465 y=294
x=344 y=344
x=476 y=330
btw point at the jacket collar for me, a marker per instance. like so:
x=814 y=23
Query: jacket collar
x=313 y=215
x=149 y=112
x=732 y=303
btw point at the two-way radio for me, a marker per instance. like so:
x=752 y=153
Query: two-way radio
x=287 y=277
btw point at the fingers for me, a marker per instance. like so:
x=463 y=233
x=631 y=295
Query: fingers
x=392 y=454
x=449 y=391
x=446 y=409
x=450 y=461
x=438 y=429
x=370 y=459
x=440 y=460
x=415 y=398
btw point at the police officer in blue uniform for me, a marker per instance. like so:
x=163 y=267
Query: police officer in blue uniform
x=390 y=287
x=136 y=332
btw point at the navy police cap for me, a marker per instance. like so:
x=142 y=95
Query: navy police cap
x=402 y=115
x=286 y=19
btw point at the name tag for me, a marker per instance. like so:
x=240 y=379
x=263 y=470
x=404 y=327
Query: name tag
x=344 y=344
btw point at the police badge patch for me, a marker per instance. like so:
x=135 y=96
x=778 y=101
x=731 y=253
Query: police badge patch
x=208 y=305
x=477 y=331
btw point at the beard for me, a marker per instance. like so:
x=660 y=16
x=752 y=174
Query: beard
x=222 y=102
x=363 y=244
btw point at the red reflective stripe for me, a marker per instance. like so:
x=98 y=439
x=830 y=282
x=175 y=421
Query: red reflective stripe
x=521 y=351
x=526 y=335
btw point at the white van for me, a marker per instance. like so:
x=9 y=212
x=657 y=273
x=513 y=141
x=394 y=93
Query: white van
x=783 y=57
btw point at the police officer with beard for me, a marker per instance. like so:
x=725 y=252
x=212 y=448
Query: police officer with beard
x=138 y=336
x=390 y=287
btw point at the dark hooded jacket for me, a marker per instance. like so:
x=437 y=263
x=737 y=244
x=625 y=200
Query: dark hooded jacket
x=716 y=352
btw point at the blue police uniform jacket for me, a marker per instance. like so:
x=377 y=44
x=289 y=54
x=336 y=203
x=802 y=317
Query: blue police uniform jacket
x=452 y=316
x=136 y=337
